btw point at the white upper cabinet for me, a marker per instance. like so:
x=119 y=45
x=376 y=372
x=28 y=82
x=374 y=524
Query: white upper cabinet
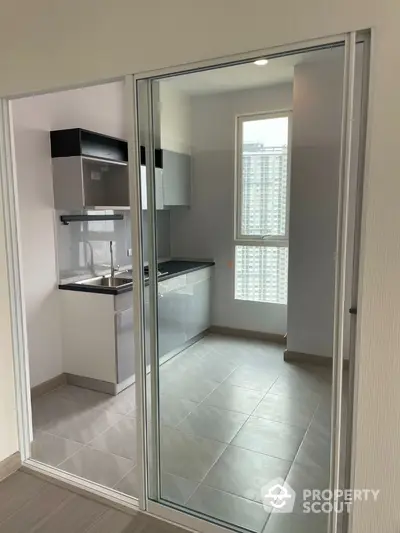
x=172 y=182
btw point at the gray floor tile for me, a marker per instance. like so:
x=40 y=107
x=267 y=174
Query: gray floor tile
x=173 y=410
x=187 y=456
x=123 y=404
x=272 y=438
x=233 y=398
x=17 y=490
x=301 y=477
x=148 y=524
x=282 y=409
x=113 y=521
x=177 y=489
x=100 y=467
x=129 y=484
x=213 y=423
x=52 y=450
x=294 y=523
x=229 y=508
x=244 y=473
x=315 y=449
x=322 y=417
x=209 y=366
x=84 y=426
x=298 y=387
x=31 y=515
x=190 y=388
x=173 y=488
x=251 y=377
x=186 y=366
x=120 y=439
x=51 y=409
x=76 y=516
x=86 y=398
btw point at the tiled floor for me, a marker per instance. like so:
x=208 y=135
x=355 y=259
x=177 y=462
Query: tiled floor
x=29 y=504
x=234 y=417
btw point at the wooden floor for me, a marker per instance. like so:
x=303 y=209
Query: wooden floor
x=30 y=504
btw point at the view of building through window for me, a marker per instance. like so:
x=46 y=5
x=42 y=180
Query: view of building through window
x=261 y=271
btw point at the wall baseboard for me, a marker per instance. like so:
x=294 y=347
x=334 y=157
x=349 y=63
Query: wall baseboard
x=261 y=335
x=48 y=386
x=92 y=384
x=10 y=465
x=297 y=357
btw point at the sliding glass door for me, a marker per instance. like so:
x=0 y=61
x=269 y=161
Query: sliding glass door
x=248 y=177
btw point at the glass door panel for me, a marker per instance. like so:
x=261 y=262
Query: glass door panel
x=238 y=402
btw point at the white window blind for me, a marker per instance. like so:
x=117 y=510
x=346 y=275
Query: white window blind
x=261 y=253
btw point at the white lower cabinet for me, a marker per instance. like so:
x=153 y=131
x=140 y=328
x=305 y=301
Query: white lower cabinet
x=184 y=309
x=124 y=339
x=98 y=334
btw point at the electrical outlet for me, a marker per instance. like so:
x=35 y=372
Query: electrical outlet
x=129 y=252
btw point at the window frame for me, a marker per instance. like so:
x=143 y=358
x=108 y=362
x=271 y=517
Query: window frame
x=258 y=240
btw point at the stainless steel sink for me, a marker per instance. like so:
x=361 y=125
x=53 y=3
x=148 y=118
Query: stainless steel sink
x=105 y=281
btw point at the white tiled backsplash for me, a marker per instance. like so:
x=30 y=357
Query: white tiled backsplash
x=74 y=242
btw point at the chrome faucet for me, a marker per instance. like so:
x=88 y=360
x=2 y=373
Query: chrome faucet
x=112 y=260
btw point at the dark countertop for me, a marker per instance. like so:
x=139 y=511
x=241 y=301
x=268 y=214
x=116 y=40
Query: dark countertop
x=169 y=269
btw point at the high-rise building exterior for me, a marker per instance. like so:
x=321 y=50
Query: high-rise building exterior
x=262 y=271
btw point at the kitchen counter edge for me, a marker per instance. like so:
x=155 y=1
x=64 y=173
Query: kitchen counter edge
x=128 y=287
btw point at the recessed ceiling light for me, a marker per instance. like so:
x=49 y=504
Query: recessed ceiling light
x=261 y=62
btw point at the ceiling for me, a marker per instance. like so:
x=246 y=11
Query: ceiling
x=244 y=76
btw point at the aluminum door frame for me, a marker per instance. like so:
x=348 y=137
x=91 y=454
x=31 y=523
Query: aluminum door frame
x=171 y=512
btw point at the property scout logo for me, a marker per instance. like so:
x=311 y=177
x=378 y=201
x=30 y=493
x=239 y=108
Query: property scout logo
x=279 y=497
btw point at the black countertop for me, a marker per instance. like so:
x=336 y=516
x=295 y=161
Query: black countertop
x=168 y=270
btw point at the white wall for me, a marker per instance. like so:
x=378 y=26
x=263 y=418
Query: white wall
x=317 y=105
x=205 y=231
x=56 y=44
x=8 y=415
x=316 y=130
x=35 y=190
x=174 y=119
x=97 y=108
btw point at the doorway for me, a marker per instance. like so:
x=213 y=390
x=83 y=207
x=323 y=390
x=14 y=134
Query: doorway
x=206 y=388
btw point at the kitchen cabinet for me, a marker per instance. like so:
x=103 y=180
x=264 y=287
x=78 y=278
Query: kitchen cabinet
x=124 y=338
x=98 y=335
x=184 y=309
x=80 y=182
x=172 y=182
x=171 y=314
x=89 y=170
x=176 y=183
x=158 y=178
x=98 y=339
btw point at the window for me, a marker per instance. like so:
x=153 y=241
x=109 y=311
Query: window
x=261 y=229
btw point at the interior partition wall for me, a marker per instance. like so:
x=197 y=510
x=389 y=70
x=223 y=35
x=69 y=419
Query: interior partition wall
x=143 y=94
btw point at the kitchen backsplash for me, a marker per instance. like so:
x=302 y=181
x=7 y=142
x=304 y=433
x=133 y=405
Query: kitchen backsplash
x=77 y=241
